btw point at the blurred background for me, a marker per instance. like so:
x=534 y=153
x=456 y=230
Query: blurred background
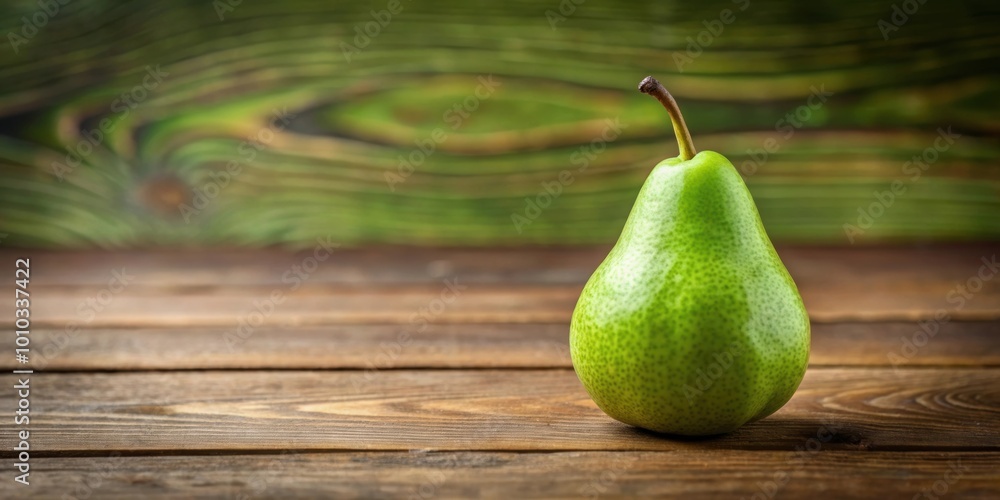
x=230 y=122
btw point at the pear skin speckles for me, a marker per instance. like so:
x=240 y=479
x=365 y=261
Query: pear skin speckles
x=692 y=324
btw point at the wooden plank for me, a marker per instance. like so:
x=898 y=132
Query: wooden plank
x=884 y=284
x=897 y=283
x=232 y=307
x=460 y=346
x=953 y=343
x=228 y=307
x=488 y=410
x=690 y=474
x=346 y=266
x=810 y=265
x=327 y=347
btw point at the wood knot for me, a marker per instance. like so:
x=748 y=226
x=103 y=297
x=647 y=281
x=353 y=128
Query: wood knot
x=164 y=194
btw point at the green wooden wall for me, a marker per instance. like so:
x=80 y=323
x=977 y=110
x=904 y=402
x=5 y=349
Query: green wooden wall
x=518 y=122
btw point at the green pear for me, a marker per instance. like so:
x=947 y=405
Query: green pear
x=691 y=325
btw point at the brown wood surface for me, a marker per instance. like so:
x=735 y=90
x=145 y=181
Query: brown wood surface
x=875 y=408
x=342 y=391
x=390 y=286
x=504 y=345
x=687 y=474
x=876 y=266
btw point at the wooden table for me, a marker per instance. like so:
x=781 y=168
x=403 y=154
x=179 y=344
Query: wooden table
x=424 y=373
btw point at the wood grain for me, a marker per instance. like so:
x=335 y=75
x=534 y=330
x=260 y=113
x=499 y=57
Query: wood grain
x=325 y=171
x=343 y=392
x=489 y=410
x=689 y=474
x=312 y=306
x=906 y=344
x=369 y=266
x=504 y=345
x=873 y=265
x=863 y=284
x=232 y=307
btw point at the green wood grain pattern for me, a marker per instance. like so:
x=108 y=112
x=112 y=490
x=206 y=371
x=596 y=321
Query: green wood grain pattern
x=325 y=173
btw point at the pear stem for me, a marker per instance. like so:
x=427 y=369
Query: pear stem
x=651 y=86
